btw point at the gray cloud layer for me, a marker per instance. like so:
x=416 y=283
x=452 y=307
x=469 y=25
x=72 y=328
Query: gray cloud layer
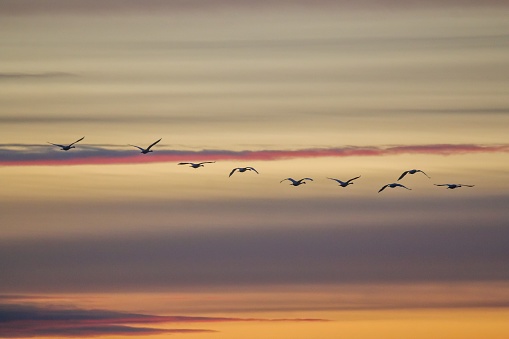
x=252 y=256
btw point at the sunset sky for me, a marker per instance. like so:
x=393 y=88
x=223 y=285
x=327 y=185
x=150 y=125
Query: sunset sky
x=104 y=241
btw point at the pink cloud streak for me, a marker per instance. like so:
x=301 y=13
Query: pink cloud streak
x=108 y=157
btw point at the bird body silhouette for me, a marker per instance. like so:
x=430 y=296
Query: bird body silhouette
x=242 y=170
x=148 y=149
x=196 y=164
x=66 y=147
x=344 y=183
x=453 y=186
x=412 y=172
x=393 y=185
x=296 y=182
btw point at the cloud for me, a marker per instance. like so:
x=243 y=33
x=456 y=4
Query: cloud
x=31 y=7
x=25 y=321
x=346 y=253
x=32 y=76
x=96 y=155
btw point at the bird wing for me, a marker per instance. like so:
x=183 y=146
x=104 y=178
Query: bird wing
x=207 y=162
x=153 y=144
x=402 y=175
x=468 y=185
x=353 y=179
x=138 y=147
x=287 y=179
x=233 y=171
x=76 y=141
x=381 y=189
x=424 y=173
x=185 y=163
x=337 y=180
x=404 y=187
x=441 y=184
x=252 y=169
x=55 y=144
x=306 y=179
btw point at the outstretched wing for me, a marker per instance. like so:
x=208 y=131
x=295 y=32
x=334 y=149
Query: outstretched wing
x=381 y=189
x=233 y=171
x=138 y=147
x=148 y=148
x=306 y=179
x=55 y=144
x=76 y=141
x=404 y=187
x=206 y=162
x=353 y=179
x=402 y=175
x=468 y=185
x=441 y=184
x=252 y=169
x=336 y=180
x=424 y=173
x=185 y=163
x=289 y=179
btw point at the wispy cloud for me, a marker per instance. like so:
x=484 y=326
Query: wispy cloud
x=32 y=76
x=26 y=321
x=95 y=155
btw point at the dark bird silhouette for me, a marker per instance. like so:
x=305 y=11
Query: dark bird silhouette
x=148 y=149
x=393 y=185
x=344 y=183
x=242 y=170
x=453 y=186
x=66 y=147
x=412 y=172
x=296 y=182
x=196 y=165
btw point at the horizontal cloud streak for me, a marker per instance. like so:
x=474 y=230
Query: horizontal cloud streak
x=91 y=155
x=22 y=321
x=425 y=252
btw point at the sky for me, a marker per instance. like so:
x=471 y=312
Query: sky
x=103 y=241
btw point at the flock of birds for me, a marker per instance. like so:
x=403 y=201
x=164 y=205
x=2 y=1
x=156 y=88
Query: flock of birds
x=292 y=181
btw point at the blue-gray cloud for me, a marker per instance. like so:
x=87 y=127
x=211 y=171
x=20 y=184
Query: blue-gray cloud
x=344 y=253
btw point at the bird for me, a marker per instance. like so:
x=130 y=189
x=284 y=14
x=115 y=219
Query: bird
x=412 y=172
x=344 y=183
x=393 y=185
x=66 y=147
x=453 y=186
x=242 y=170
x=296 y=182
x=148 y=149
x=196 y=165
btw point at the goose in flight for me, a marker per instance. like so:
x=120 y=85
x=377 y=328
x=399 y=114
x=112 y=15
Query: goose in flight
x=296 y=182
x=242 y=170
x=392 y=186
x=66 y=147
x=146 y=150
x=411 y=172
x=453 y=186
x=344 y=183
x=196 y=165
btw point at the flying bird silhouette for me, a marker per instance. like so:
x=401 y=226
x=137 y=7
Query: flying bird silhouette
x=242 y=170
x=453 y=186
x=66 y=147
x=412 y=172
x=393 y=185
x=296 y=182
x=148 y=149
x=344 y=183
x=196 y=165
